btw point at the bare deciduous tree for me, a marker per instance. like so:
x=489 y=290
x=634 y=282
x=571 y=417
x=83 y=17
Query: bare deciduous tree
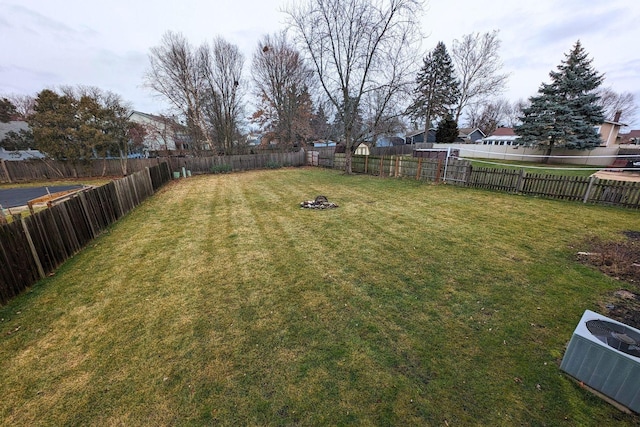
x=203 y=85
x=478 y=67
x=24 y=104
x=359 y=52
x=221 y=69
x=489 y=116
x=613 y=102
x=175 y=74
x=281 y=80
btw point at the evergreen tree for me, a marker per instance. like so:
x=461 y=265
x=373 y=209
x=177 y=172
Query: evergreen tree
x=447 y=131
x=565 y=112
x=7 y=110
x=54 y=126
x=80 y=125
x=320 y=127
x=438 y=89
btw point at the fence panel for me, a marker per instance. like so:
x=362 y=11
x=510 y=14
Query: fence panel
x=44 y=169
x=17 y=266
x=494 y=179
x=615 y=193
x=204 y=165
x=35 y=246
x=555 y=186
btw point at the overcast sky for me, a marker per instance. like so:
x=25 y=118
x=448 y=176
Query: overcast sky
x=45 y=43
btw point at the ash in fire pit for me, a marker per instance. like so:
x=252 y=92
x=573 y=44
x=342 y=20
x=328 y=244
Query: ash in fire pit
x=321 y=202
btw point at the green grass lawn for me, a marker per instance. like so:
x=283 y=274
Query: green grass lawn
x=538 y=168
x=220 y=302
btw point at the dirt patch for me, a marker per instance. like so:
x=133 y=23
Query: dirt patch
x=620 y=260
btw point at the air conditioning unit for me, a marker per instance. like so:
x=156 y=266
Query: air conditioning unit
x=605 y=355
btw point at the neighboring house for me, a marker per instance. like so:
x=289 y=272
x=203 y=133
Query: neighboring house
x=418 y=136
x=470 y=135
x=254 y=139
x=501 y=136
x=12 y=126
x=17 y=126
x=319 y=144
x=390 y=141
x=20 y=155
x=609 y=131
x=633 y=137
x=161 y=133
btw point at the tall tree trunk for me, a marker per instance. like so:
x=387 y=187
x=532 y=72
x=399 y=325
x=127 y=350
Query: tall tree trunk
x=348 y=156
x=547 y=155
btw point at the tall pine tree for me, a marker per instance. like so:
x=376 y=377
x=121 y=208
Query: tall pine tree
x=438 y=89
x=447 y=131
x=565 y=112
x=7 y=110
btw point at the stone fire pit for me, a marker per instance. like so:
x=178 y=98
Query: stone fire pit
x=320 y=202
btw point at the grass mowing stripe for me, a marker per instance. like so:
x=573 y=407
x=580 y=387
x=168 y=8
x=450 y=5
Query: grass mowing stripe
x=220 y=301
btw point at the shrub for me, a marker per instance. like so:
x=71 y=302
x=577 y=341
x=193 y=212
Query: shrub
x=221 y=169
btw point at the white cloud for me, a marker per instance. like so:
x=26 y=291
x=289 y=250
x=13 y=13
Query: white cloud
x=46 y=43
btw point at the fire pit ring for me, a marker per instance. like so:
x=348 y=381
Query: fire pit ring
x=320 y=202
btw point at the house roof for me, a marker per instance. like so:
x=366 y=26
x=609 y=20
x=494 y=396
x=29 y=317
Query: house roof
x=155 y=118
x=147 y=115
x=418 y=132
x=626 y=137
x=13 y=126
x=469 y=131
x=20 y=154
x=503 y=132
x=615 y=123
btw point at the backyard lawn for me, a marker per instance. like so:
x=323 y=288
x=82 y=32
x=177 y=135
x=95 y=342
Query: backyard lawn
x=219 y=301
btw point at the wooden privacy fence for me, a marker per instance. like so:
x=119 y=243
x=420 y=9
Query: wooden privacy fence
x=578 y=188
x=408 y=167
x=460 y=172
x=34 y=170
x=204 y=165
x=33 y=247
x=42 y=169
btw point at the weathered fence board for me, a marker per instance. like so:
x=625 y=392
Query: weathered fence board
x=18 y=267
x=35 y=246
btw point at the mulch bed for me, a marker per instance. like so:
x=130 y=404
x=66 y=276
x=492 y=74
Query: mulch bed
x=620 y=260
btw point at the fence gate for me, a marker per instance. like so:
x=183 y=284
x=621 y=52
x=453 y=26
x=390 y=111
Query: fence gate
x=313 y=158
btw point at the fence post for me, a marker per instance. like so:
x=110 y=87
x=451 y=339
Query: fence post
x=588 y=192
x=32 y=247
x=438 y=171
x=419 y=168
x=397 y=164
x=521 y=178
